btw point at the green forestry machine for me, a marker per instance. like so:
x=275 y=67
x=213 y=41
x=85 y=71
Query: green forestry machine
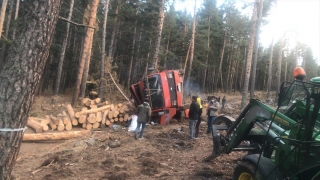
x=282 y=143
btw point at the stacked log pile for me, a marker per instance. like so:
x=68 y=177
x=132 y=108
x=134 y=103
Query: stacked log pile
x=93 y=115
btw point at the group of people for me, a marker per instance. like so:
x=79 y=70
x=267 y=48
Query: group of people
x=195 y=114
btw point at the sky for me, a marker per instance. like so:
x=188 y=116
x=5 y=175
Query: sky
x=289 y=18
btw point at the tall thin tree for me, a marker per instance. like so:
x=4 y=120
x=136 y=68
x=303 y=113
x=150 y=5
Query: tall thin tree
x=192 y=46
x=3 y=15
x=270 y=70
x=256 y=51
x=87 y=42
x=16 y=14
x=6 y=32
x=279 y=68
x=21 y=75
x=103 y=51
x=133 y=45
x=249 y=56
x=63 y=51
x=158 y=39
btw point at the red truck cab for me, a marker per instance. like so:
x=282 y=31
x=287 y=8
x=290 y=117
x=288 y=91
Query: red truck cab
x=163 y=91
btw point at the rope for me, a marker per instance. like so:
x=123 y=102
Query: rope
x=12 y=130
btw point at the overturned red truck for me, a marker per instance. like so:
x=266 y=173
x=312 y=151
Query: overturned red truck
x=163 y=91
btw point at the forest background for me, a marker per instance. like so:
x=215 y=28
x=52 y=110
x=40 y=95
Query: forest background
x=213 y=54
x=60 y=45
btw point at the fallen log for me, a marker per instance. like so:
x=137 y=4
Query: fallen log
x=110 y=114
x=99 y=117
x=91 y=118
x=34 y=125
x=54 y=136
x=89 y=126
x=40 y=120
x=70 y=112
x=93 y=106
x=51 y=124
x=54 y=120
x=86 y=101
x=60 y=125
x=65 y=118
x=102 y=104
x=108 y=122
x=78 y=114
x=82 y=118
x=97 y=100
x=67 y=121
x=95 y=125
x=116 y=113
x=126 y=117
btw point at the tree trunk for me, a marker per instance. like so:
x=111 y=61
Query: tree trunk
x=87 y=43
x=270 y=70
x=256 y=51
x=114 y=32
x=4 y=44
x=15 y=20
x=137 y=61
x=219 y=75
x=192 y=46
x=249 y=56
x=158 y=39
x=3 y=15
x=207 y=57
x=86 y=70
x=103 y=51
x=132 y=46
x=296 y=62
x=63 y=50
x=21 y=75
x=279 y=69
x=167 y=50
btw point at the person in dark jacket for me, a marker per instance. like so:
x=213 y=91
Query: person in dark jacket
x=193 y=116
x=144 y=116
x=223 y=101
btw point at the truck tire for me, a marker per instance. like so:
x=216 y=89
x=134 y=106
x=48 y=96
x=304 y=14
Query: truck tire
x=245 y=171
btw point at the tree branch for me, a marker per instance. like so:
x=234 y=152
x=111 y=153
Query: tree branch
x=64 y=19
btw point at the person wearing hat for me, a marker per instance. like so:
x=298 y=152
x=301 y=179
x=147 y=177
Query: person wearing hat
x=144 y=115
x=212 y=112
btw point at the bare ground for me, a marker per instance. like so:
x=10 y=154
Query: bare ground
x=164 y=153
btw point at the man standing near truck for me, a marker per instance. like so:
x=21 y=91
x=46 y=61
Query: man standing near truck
x=193 y=116
x=144 y=116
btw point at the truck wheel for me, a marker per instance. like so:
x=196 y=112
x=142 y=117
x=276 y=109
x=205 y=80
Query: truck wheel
x=245 y=171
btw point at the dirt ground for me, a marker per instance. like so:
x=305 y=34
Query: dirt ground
x=166 y=152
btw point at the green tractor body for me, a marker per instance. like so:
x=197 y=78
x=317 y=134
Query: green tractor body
x=282 y=143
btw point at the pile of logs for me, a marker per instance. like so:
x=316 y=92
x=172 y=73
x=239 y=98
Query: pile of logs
x=95 y=114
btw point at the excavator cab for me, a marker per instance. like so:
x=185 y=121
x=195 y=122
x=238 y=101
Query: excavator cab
x=282 y=143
